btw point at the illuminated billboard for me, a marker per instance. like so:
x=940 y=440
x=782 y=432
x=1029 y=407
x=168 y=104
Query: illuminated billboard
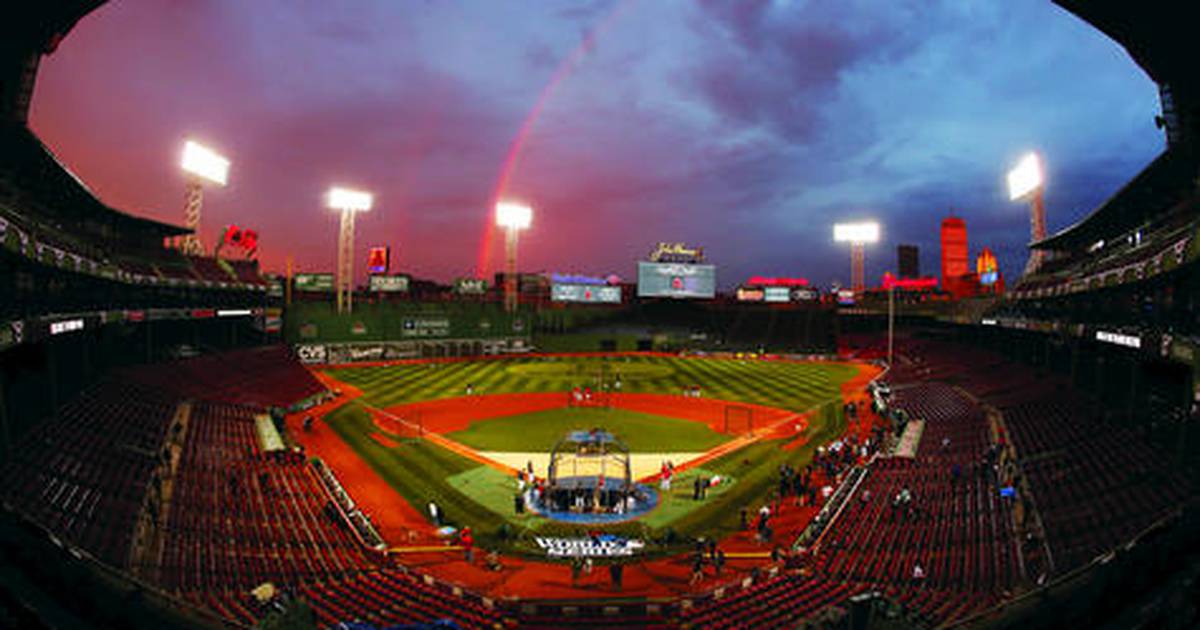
x=314 y=282
x=388 y=284
x=749 y=294
x=676 y=280
x=676 y=253
x=762 y=281
x=379 y=259
x=987 y=267
x=470 y=286
x=591 y=293
x=777 y=294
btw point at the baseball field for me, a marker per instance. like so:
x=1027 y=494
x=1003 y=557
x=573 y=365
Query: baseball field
x=454 y=431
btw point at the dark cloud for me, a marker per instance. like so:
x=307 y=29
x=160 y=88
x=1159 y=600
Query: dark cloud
x=747 y=127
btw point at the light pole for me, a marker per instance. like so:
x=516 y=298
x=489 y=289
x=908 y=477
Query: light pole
x=1026 y=181
x=858 y=235
x=201 y=164
x=891 y=319
x=349 y=203
x=513 y=217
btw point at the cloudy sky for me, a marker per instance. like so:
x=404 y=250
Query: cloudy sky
x=747 y=127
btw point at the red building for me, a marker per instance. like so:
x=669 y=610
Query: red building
x=955 y=260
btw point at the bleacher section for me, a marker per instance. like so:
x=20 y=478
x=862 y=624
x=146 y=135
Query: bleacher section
x=1097 y=485
x=1145 y=229
x=769 y=604
x=959 y=532
x=233 y=516
x=391 y=597
x=84 y=474
x=239 y=517
x=265 y=377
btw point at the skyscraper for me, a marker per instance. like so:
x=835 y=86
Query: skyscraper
x=955 y=262
x=908 y=261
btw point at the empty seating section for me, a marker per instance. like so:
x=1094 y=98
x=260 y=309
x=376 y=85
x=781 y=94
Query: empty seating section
x=246 y=271
x=770 y=604
x=390 y=597
x=1096 y=485
x=209 y=269
x=238 y=517
x=267 y=376
x=85 y=473
x=959 y=532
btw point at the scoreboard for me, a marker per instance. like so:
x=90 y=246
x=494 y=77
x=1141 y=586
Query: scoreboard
x=388 y=284
x=591 y=293
x=314 y=282
x=677 y=280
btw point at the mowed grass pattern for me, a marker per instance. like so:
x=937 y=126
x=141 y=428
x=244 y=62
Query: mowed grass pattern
x=539 y=431
x=787 y=385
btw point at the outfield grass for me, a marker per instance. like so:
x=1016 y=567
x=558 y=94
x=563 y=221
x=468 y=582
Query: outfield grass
x=794 y=386
x=538 y=431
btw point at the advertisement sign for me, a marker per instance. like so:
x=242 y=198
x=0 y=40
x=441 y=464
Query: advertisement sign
x=604 y=546
x=927 y=283
x=845 y=297
x=777 y=294
x=243 y=238
x=273 y=320
x=677 y=253
x=987 y=267
x=355 y=354
x=275 y=287
x=676 y=280
x=314 y=282
x=1120 y=339
x=590 y=293
x=470 y=286
x=804 y=295
x=379 y=259
x=749 y=295
x=762 y=281
x=388 y=284
x=426 y=327
x=311 y=353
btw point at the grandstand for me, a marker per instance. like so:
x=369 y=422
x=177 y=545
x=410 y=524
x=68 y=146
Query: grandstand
x=1025 y=461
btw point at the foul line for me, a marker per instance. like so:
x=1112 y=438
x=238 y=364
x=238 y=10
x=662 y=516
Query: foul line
x=439 y=439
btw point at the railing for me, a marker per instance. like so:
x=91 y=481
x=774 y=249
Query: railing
x=358 y=522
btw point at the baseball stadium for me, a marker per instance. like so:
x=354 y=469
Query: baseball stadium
x=207 y=427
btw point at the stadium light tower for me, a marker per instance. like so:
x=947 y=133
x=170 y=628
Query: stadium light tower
x=1026 y=181
x=349 y=203
x=202 y=165
x=513 y=217
x=858 y=235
